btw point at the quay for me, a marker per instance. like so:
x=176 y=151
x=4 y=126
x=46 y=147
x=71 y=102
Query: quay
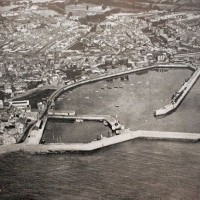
x=126 y=135
x=35 y=134
x=179 y=96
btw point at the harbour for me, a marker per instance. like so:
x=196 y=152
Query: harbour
x=116 y=86
x=99 y=117
x=99 y=100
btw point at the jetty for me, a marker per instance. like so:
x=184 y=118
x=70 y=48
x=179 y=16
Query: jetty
x=179 y=96
x=107 y=119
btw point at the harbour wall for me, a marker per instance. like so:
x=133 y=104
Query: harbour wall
x=185 y=89
x=126 y=135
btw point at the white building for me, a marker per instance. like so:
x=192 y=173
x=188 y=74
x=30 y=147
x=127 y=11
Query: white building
x=1 y=104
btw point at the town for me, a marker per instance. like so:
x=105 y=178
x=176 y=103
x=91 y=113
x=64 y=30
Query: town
x=45 y=46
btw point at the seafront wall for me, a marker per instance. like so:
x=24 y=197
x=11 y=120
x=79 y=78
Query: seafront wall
x=126 y=135
x=104 y=77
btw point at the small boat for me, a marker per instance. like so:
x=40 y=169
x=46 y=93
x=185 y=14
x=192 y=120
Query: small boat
x=99 y=137
x=79 y=120
x=117 y=132
x=42 y=141
x=59 y=99
x=105 y=123
x=117 y=106
x=87 y=97
x=109 y=87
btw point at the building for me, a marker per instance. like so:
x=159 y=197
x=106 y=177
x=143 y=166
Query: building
x=19 y=127
x=1 y=104
x=21 y=104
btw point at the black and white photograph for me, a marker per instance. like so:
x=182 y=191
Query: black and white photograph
x=99 y=99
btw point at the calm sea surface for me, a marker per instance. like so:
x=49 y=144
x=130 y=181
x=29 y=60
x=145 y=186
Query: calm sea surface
x=132 y=170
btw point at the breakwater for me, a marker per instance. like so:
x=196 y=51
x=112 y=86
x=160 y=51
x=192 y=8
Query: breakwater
x=125 y=135
x=180 y=95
